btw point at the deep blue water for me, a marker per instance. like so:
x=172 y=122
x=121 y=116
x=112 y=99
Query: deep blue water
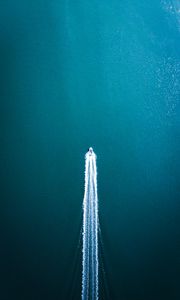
x=76 y=74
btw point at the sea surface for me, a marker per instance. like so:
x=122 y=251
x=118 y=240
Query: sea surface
x=76 y=74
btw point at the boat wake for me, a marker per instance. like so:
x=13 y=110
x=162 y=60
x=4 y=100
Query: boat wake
x=90 y=230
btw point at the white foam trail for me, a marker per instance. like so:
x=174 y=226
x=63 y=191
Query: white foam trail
x=90 y=231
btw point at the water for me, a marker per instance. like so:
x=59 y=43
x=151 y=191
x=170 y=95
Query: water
x=74 y=74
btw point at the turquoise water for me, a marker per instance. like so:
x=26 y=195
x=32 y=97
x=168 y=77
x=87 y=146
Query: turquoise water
x=92 y=73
